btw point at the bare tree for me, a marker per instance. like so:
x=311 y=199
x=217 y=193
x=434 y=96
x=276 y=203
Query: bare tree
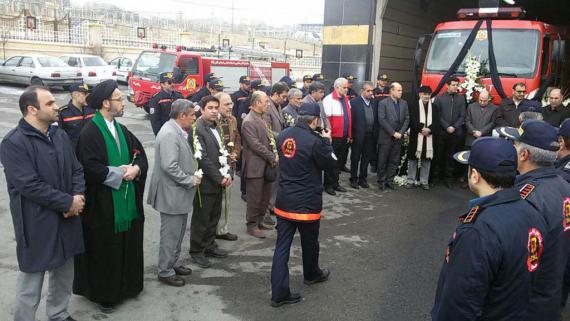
x=4 y=37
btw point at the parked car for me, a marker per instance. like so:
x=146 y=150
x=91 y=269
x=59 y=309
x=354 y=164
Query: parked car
x=93 y=68
x=123 y=66
x=39 y=70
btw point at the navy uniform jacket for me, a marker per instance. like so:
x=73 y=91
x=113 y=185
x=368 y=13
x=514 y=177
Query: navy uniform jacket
x=72 y=120
x=159 y=108
x=491 y=261
x=242 y=111
x=203 y=92
x=303 y=155
x=351 y=94
x=549 y=194
x=237 y=98
x=381 y=94
x=563 y=165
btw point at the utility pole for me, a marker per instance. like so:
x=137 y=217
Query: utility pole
x=232 y=16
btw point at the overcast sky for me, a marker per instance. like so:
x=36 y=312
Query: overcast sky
x=274 y=12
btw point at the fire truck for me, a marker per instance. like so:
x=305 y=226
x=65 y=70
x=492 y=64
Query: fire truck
x=189 y=68
x=512 y=49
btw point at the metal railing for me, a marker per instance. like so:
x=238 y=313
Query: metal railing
x=16 y=30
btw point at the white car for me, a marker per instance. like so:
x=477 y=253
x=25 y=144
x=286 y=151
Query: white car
x=123 y=66
x=39 y=70
x=93 y=68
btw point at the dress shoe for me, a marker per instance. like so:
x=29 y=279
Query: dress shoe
x=425 y=187
x=391 y=186
x=340 y=189
x=354 y=185
x=243 y=197
x=322 y=278
x=265 y=226
x=330 y=191
x=217 y=253
x=381 y=186
x=172 y=280
x=182 y=270
x=364 y=184
x=201 y=261
x=107 y=308
x=228 y=237
x=267 y=220
x=255 y=232
x=290 y=299
x=345 y=169
x=409 y=186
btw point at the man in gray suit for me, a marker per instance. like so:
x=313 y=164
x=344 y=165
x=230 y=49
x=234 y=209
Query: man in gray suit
x=480 y=118
x=172 y=189
x=393 y=120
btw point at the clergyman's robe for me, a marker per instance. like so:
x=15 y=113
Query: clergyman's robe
x=111 y=269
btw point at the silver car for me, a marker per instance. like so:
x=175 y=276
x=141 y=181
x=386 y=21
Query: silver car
x=123 y=65
x=39 y=70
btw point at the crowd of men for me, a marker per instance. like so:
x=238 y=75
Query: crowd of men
x=76 y=195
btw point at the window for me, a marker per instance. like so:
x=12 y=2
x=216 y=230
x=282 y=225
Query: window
x=127 y=63
x=516 y=50
x=72 y=61
x=114 y=62
x=545 y=55
x=27 y=62
x=188 y=66
x=93 y=62
x=12 y=62
x=151 y=64
x=51 y=62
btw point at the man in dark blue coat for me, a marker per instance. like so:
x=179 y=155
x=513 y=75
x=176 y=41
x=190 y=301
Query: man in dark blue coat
x=563 y=164
x=46 y=186
x=74 y=115
x=364 y=130
x=303 y=155
x=160 y=104
x=494 y=256
x=540 y=184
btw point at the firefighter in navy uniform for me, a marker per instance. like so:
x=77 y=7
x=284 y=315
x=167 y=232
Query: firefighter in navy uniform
x=74 y=115
x=351 y=94
x=160 y=104
x=205 y=90
x=382 y=89
x=303 y=155
x=307 y=81
x=495 y=254
x=563 y=164
x=240 y=95
x=540 y=184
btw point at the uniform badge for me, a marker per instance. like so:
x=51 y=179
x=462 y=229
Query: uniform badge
x=535 y=247
x=243 y=115
x=472 y=215
x=526 y=190
x=448 y=249
x=289 y=148
x=566 y=213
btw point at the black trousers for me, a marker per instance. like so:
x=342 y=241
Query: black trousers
x=388 y=161
x=445 y=146
x=340 y=148
x=361 y=154
x=204 y=222
x=310 y=250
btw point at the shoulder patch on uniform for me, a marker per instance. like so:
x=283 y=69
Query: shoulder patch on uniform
x=567 y=166
x=471 y=216
x=526 y=190
x=535 y=248
x=289 y=147
x=566 y=212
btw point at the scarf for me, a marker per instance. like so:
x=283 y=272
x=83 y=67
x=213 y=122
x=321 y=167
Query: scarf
x=429 y=139
x=124 y=204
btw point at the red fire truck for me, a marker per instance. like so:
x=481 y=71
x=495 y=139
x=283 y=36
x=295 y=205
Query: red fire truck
x=525 y=51
x=189 y=69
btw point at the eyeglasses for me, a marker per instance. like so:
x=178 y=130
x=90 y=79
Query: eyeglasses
x=520 y=91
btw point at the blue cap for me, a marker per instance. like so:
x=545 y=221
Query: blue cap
x=490 y=154
x=166 y=76
x=217 y=84
x=287 y=80
x=244 y=80
x=311 y=109
x=537 y=133
x=210 y=76
x=318 y=77
x=80 y=87
x=349 y=77
x=256 y=84
x=307 y=78
x=564 y=130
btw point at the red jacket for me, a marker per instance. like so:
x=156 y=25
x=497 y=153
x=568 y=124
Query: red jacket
x=335 y=114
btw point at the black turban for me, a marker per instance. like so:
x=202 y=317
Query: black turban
x=102 y=91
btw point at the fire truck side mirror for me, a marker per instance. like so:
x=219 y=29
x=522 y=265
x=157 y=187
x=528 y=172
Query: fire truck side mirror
x=558 y=50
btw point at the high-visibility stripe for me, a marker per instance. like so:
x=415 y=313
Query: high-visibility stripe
x=345 y=35
x=242 y=98
x=78 y=117
x=168 y=100
x=297 y=216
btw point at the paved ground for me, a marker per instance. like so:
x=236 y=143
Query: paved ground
x=384 y=251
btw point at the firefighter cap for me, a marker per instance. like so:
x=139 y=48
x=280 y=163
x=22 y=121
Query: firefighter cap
x=166 y=76
x=318 y=77
x=80 y=87
x=244 y=80
x=383 y=77
x=349 y=77
x=307 y=78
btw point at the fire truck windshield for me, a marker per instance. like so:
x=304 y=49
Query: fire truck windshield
x=516 y=50
x=151 y=64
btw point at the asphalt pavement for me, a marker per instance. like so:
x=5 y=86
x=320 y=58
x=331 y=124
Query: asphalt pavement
x=384 y=250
